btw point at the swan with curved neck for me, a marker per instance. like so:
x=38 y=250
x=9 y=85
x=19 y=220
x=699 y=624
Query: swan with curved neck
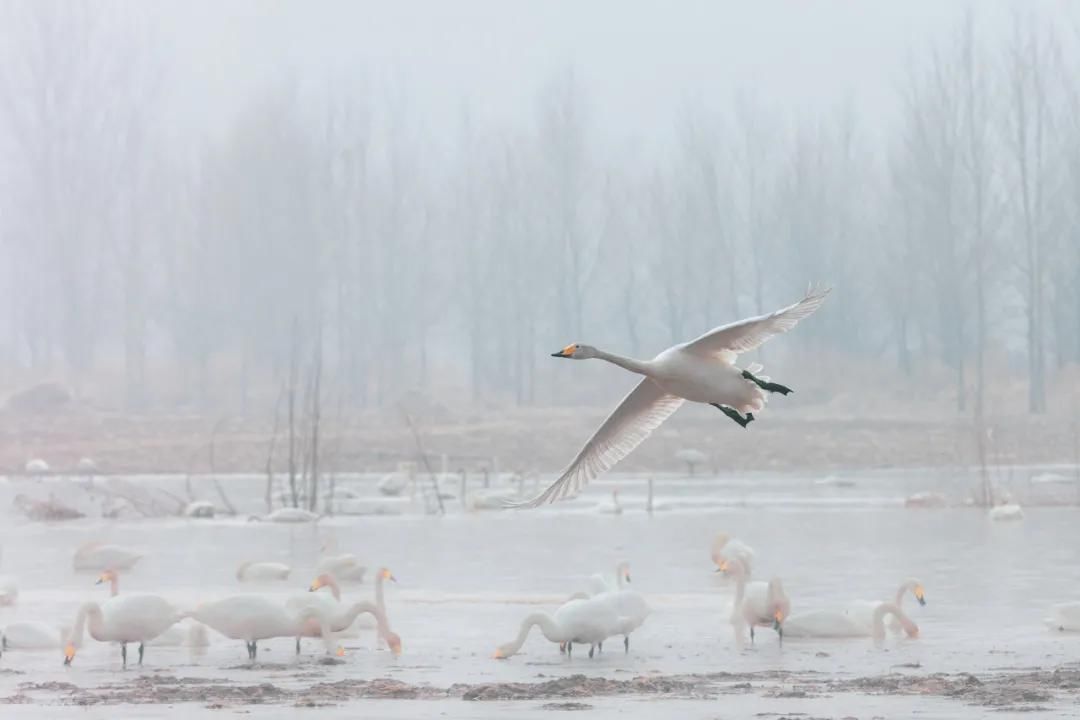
x=862 y=611
x=343 y=617
x=832 y=624
x=757 y=603
x=382 y=576
x=579 y=621
x=123 y=619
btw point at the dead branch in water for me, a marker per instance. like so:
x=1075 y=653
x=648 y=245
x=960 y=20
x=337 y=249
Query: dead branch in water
x=424 y=458
x=213 y=473
x=270 y=452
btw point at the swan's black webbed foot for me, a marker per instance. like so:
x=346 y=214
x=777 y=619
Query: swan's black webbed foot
x=591 y=648
x=734 y=414
x=626 y=644
x=767 y=386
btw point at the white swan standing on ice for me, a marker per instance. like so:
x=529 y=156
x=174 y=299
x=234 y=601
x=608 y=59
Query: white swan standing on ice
x=255 y=572
x=702 y=370
x=123 y=619
x=99 y=557
x=833 y=624
x=578 y=621
x=193 y=636
x=252 y=618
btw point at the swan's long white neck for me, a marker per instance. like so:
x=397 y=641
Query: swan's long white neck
x=908 y=586
x=114 y=584
x=379 y=602
x=331 y=582
x=620 y=574
x=91 y=611
x=879 y=619
x=358 y=608
x=328 y=635
x=739 y=570
x=547 y=625
x=635 y=366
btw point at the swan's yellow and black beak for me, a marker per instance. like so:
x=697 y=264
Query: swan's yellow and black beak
x=566 y=352
x=69 y=653
x=920 y=595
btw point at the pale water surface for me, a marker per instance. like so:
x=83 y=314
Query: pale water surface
x=467 y=579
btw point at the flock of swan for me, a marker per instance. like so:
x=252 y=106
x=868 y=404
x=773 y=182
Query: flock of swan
x=702 y=370
x=148 y=619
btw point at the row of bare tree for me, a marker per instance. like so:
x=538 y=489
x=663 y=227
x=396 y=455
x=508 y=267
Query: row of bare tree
x=949 y=232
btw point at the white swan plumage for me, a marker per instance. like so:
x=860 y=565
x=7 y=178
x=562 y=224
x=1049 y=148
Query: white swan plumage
x=123 y=619
x=99 y=557
x=254 y=572
x=702 y=370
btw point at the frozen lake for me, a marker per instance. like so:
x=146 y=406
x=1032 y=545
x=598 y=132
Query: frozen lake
x=467 y=579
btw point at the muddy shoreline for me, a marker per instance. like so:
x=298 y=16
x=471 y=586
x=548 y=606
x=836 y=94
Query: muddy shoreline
x=1025 y=690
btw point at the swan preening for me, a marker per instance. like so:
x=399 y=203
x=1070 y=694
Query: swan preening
x=702 y=370
x=862 y=611
x=832 y=624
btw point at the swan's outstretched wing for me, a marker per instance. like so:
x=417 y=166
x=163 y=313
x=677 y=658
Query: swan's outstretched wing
x=745 y=335
x=642 y=411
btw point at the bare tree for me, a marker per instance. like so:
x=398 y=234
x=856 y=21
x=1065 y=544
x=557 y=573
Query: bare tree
x=1027 y=128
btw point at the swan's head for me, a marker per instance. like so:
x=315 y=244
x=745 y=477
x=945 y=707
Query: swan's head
x=340 y=652
x=322 y=581
x=576 y=351
x=394 y=641
x=69 y=653
x=778 y=619
x=387 y=575
x=919 y=594
x=502 y=652
x=624 y=570
x=107 y=576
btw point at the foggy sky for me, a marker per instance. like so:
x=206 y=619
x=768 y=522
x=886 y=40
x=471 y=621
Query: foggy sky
x=639 y=62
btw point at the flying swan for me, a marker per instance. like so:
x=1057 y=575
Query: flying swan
x=702 y=370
